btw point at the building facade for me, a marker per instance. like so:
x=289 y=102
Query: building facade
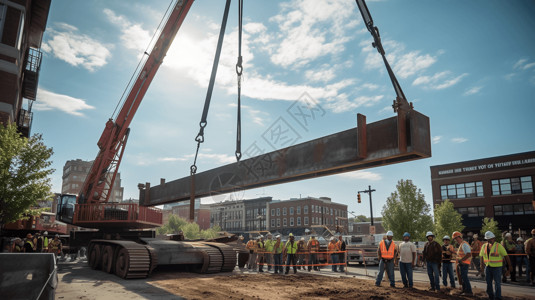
x=240 y=215
x=74 y=174
x=363 y=228
x=296 y=215
x=22 y=23
x=181 y=209
x=498 y=187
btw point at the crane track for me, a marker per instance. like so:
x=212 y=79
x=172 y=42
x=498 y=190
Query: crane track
x=229 y=256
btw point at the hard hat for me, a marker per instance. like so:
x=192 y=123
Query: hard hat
x=508 y=234
x=57 y=235
x=291 y=234
x=519 y=239
x=446 y=237
x=332 y=238
x=456 y=234
x=489 y=235
x=406 y=234
x=278 y=236
x=45 y=233
x=269 y=234
x=390 y=233
x=302 y=238
x=429 y=233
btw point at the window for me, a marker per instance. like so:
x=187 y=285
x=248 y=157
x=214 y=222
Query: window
x=278 y=212
x=284 y=222
x=272 y=212
x=478 y=211
x=291 y=211
x=278 y=222
x=292 y=222
x=298 y=210
x=298 y=221
x=331 y=211
x=272 y=223
x=306 y=220
x=461 y=190
x=305 y=209
x=284 y=211
x=515 y=185
x=312 y=208
x=514 y=209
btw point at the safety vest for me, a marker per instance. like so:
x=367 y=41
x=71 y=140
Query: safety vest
x=387 y=254
x=314 y=244
x=18 y=248
x=45 y=242
x=494 y=258
x=333 y=247
x=268 y=245
x=461 y=254
x=55 y=244
x=445 y=256
x=291 y=248
x=30 y=242
x=278 y=248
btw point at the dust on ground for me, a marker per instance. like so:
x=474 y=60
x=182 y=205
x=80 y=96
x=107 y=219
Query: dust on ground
x=298 y=286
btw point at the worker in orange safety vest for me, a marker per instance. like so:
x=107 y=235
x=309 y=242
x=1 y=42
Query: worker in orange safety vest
x=386 y=254
x=313 y=247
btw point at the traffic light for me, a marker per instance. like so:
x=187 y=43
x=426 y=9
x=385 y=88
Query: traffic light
x=358 y=197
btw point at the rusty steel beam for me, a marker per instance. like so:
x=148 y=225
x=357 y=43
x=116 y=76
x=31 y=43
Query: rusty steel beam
x=398 y=139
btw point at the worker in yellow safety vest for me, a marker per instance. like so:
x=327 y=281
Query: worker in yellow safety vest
x=45 y=241
x=386 y=254
x=291 y=249
x=464 y=257
x=55 y=246
x=493 y=254
x=29 y=245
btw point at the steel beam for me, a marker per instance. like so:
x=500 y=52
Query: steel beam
x=398 y=139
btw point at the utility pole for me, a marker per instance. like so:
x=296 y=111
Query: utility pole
x=369 y=192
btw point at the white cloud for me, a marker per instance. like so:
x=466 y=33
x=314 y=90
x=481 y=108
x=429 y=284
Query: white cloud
x=436 y=139
x=323 y=75
x=439 y=81
x=520 y=63
x=362 y=175
x=342 y=104
x=77 y=49
x=133 y=36
x=459 y=140
x=47 y=100
x=473 y=90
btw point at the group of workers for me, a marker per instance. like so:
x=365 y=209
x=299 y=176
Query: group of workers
x=495 y=267
x=40 y=243
x=299 y=254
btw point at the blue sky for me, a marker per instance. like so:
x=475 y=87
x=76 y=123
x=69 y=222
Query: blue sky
x=468 y=65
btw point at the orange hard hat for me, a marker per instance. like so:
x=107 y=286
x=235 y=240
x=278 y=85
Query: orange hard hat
x=456 y=234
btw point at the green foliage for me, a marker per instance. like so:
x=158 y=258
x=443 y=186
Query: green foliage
x=191 y=231
x=406 y=211
x=489 y=224
x=24 y=171
x=447 y=220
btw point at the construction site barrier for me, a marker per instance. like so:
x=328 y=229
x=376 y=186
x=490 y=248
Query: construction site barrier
x=321 y=255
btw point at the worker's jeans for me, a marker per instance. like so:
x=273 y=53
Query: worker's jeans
x=406 y=273
x=278 y=262
x=301 y=260
x=291 y=261
x=268 y=257
x=447 y=271
x=334 y=261
x=251 y=265
x=475 y=262
x=389 y=266
x=341 y=260
x=464 y=276
x=520 y=261
x=433 y=273
x=313 y=259
x=494 y=273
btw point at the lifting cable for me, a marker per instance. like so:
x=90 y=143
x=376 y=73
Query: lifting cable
x=239 y=71
x=200 y=136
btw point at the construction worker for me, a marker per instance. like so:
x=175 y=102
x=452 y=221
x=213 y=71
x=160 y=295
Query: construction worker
x=510 y=247
x=268 y=251
x=243 y=254
x=55 y=246
x=432 y=255
x=334 y=251
x=277 y=254
x=447 y=264
x=39 y=242
x=260 y=257
x=313 y=246
x=342 y=255
x=45 y=242
x=464 y=256
x=493 y=254
x=476 y=248
x=29 y=245
x=291 y=249
x=18 y=246
x=252 y=247
x=407 y=259
x=386 y=253
x=530 y=251
x=301 y=248
x=521 y=258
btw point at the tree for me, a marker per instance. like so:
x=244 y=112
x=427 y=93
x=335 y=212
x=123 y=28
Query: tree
x=447 y=220
x=24 y=171
x=489 y=224
x=173 y=226
x=406 y=211
x=191 y=231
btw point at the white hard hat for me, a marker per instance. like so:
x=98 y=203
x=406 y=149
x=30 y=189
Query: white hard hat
x=446 y=238
x=269 y=234
x=519 y=239
x=45 y=233
x=390 y=233
x=278 y=236
x=508 y=234
x=429 y=233
x=302 y=238
x=261 y=237
x=332 y=238
x=489 y=235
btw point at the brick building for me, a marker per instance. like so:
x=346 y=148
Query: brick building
x=240 y=215
x=74 y=174
x=181 y=209
x=296 y=215
x=499 y=187
x=22 y=23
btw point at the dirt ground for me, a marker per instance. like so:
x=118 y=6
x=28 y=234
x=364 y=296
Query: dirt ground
x=299 y=286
